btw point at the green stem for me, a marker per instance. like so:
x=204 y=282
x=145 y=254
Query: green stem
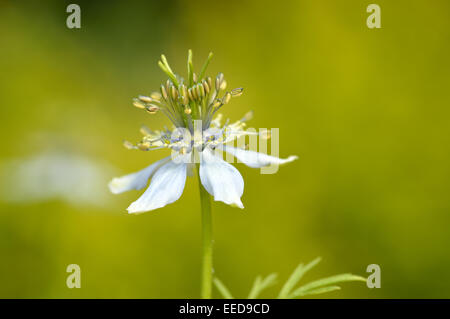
x=207 y=265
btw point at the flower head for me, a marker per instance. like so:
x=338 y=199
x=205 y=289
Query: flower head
x=197 y=136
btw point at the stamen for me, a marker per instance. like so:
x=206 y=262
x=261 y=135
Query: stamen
x=223 y=85
x=247 y=117
x=145 y=99
x=173 y=92
x=184 y=102
x=226 y=98
x=237 y=92
x=200 y=90
x=156 y=96
x=194 y=93
x=146 y=131
x=164 y=92
x=152 y=109
x=184 y=94
x=138 y=104
x=219 y=80
x=129 y=145
x=205 y=86
x=143 y=146
x=168 y=85
x=191 y=96
x=209 y=81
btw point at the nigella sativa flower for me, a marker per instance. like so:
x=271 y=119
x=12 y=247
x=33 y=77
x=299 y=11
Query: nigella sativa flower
x=197 y=136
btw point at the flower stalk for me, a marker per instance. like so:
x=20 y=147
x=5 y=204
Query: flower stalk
x=207 y=242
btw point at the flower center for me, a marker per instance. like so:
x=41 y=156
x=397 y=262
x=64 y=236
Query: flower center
x=191 y=105
x=185 y=101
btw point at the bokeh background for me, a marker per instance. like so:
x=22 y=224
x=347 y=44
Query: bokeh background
x=367 y=111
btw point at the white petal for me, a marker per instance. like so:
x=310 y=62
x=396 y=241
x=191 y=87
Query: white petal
x=221 y=179
x=255 y=159
x=166 y=187
x=136 y=180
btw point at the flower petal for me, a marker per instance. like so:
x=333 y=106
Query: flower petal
x=166 y=187
x=221 y=179
x=255 y=159
x=137 y=180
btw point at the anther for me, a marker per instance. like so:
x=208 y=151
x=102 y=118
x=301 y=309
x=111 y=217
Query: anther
x=191 y=96
x=182 y=90
x=145 y=130
x=185 y=99
x=168 y=85
x=237 y=92
x=152 y=109
x=223 y=84
x=146 y=99
x=128 y=145
x=164 y=92
x=139 y=104
x=156 y=96
x=209 y=80
x=219 y=80
x=174 y=93
x=194 y=92
x=143 y=146
x=205 y=86
x=247 y=117
x=226 y=98
x=200 y=90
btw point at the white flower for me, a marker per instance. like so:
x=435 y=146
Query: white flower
x=221 y=179
x=168 y=175
x=186 y=108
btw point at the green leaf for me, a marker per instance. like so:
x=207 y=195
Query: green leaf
x=255 y=287
x=260 y=284
x=296 y=276
x=222 y=289
x=325 y=282
x=318 y=291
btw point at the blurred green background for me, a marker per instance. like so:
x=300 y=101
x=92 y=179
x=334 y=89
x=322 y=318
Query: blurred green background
x=367 y=111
